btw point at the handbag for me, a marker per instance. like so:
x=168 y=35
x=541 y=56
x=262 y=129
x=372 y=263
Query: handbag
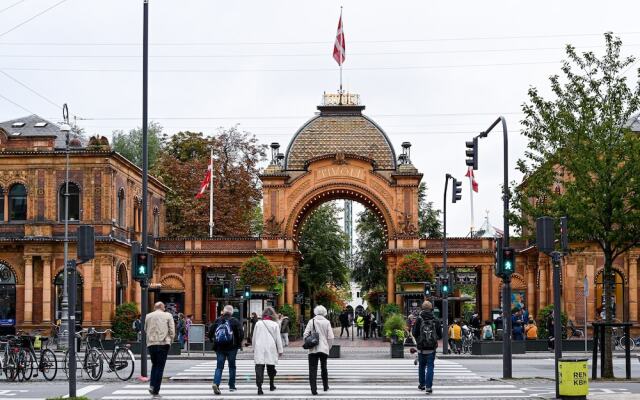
x=313 y=339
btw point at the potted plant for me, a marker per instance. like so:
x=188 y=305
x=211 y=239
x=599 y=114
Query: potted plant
x=258 y=272
x=395 y=329
x=413 y=272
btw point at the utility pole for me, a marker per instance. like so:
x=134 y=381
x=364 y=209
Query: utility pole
x=444 y=275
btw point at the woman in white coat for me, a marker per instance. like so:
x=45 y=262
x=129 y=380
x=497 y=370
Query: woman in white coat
x=267 y=347
x=322 y=326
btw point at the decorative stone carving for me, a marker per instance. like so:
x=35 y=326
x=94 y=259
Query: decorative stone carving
x=340 y=158
x=273 y=227
x=406 y=224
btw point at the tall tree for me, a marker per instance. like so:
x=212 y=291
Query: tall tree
x=428 y=217
x=369 y=269
x=182 y=164
x=323 y=245
x=129 y=144
x=583 y=161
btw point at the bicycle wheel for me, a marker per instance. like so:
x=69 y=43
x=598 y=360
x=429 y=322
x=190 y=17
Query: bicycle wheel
x=48 y=364
x=93 y=364
x=9 y=366
x=623 y=342
x=65 y=363
x=123 y=364
x=25 y=365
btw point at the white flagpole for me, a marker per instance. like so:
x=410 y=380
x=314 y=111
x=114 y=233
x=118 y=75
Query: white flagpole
x=341 y=34
x=211 y=195
x=471 y=200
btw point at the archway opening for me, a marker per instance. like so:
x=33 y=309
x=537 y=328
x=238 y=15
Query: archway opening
x=7 y=299
x=121 y=284
x=618 y=301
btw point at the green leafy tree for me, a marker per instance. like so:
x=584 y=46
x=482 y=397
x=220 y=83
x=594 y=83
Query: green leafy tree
x=182 y=164
x=129 y=145
x=582 y=160
x=428 y=217
x=323 y=245
x=369 y=269
x=123 y=321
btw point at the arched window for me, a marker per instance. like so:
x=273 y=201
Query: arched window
x=7 y=296
x=74 y=202
x=121 y=285
x=18 y=202
x=156 y=222
x=121 y=207
x=1 y=204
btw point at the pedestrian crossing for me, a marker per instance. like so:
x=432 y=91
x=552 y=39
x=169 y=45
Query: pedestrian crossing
x=340 y=370
x=374 y=391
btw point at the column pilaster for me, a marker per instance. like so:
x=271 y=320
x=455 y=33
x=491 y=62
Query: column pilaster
x=290 y=285
x=198 y=292
x=633 y=288
x=46 y=289
x=28 y=289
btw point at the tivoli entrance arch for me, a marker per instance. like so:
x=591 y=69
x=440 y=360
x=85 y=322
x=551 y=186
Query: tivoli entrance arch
x=341 y=154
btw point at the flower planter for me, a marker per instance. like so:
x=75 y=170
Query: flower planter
x=259 y=288
x=397 y=350
x=412 y=286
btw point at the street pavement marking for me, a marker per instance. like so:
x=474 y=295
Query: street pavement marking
x=85 y=390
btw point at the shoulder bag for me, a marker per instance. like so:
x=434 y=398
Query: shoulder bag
x=313 y=339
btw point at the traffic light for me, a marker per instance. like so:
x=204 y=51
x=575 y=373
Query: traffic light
x=472 y=153
x=456 y=190
x=444 y=286
x=427 y=289
x=143 y=266
x=507 y=263
x=247 y=291
x=226 y=288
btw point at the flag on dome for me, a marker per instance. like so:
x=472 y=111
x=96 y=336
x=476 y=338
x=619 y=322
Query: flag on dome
x=339 y=48
x=205 y=183
x=470 y=175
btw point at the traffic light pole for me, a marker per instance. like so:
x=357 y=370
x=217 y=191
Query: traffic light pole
x=144 y=283
x=445 y=300
x=506 y=282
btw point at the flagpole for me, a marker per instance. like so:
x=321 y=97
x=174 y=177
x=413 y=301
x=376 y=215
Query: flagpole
x=471 y=200
x=342 y=33
x=211 y=194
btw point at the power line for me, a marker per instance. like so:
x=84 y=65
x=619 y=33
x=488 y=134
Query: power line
x=53 y=103
x=415 y=67
x=16 y=104
x=32 y=18
x=226 y=55
x=11 y=6
x=322 y=42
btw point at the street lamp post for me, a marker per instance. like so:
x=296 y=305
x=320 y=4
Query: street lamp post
x=65 y=128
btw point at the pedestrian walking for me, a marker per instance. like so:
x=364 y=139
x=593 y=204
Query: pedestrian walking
x=359 y=324
x=518 y=331
x=267 y=348
x=475 y=324
x=455 y=337
x=137 y=327
x=160 y=330
x=252 y=324
x=427 y=331
x=367 y=325
x=284 y=329
x=374 y=328
x=321 y=326
x=226 y=334
x=187 y=323
x=181 y=327
x=344 y=322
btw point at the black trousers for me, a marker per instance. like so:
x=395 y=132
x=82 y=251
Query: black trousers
x=158 y=355
x=313 y=371
x=271 y=371
x=344 y=328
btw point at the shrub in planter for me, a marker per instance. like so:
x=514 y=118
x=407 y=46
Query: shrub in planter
x=543 y=331
x=258 y=271
x=390 y=309
x=395 y=328
x=126 y=313
x=414 y=268
x=289 y=311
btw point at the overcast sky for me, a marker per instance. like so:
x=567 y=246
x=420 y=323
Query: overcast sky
x=432 y=73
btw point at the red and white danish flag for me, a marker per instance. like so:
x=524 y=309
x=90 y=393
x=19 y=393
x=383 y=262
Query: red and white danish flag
x=470 y=175
x=205 y=183
x=339 y=48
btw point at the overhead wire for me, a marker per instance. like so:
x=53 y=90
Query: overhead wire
x=16 y=104
x=32 y=18
x=43 y=97
x=11 y=6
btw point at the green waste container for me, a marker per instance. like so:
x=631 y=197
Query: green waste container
x=574 y=378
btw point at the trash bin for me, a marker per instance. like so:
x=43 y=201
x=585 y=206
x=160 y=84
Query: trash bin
x=574 y=378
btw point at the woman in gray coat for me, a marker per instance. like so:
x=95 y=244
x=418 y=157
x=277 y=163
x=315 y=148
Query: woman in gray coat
x=322 y=326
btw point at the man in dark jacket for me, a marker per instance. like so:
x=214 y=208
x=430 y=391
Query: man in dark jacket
x=226 y=334
x=426 y=346
x=344 y=322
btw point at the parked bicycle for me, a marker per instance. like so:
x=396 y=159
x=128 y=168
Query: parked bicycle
x=619 y=341
x=468 y=338
x=44 y=361
x=8 y=360
x=572 y=331
x=121 y=360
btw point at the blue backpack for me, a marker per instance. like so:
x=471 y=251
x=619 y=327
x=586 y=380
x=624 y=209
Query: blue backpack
x=224 y=333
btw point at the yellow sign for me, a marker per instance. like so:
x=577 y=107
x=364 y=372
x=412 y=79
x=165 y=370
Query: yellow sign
x=574 y=378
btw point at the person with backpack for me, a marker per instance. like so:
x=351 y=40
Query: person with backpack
x=137 y=326
x=320 y=328
x=487 y=331
x=226 y=334
x=267 y=348
x=427 y=331
x=182 y=330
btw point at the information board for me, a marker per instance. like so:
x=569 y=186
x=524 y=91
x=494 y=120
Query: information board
x=197 y=334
